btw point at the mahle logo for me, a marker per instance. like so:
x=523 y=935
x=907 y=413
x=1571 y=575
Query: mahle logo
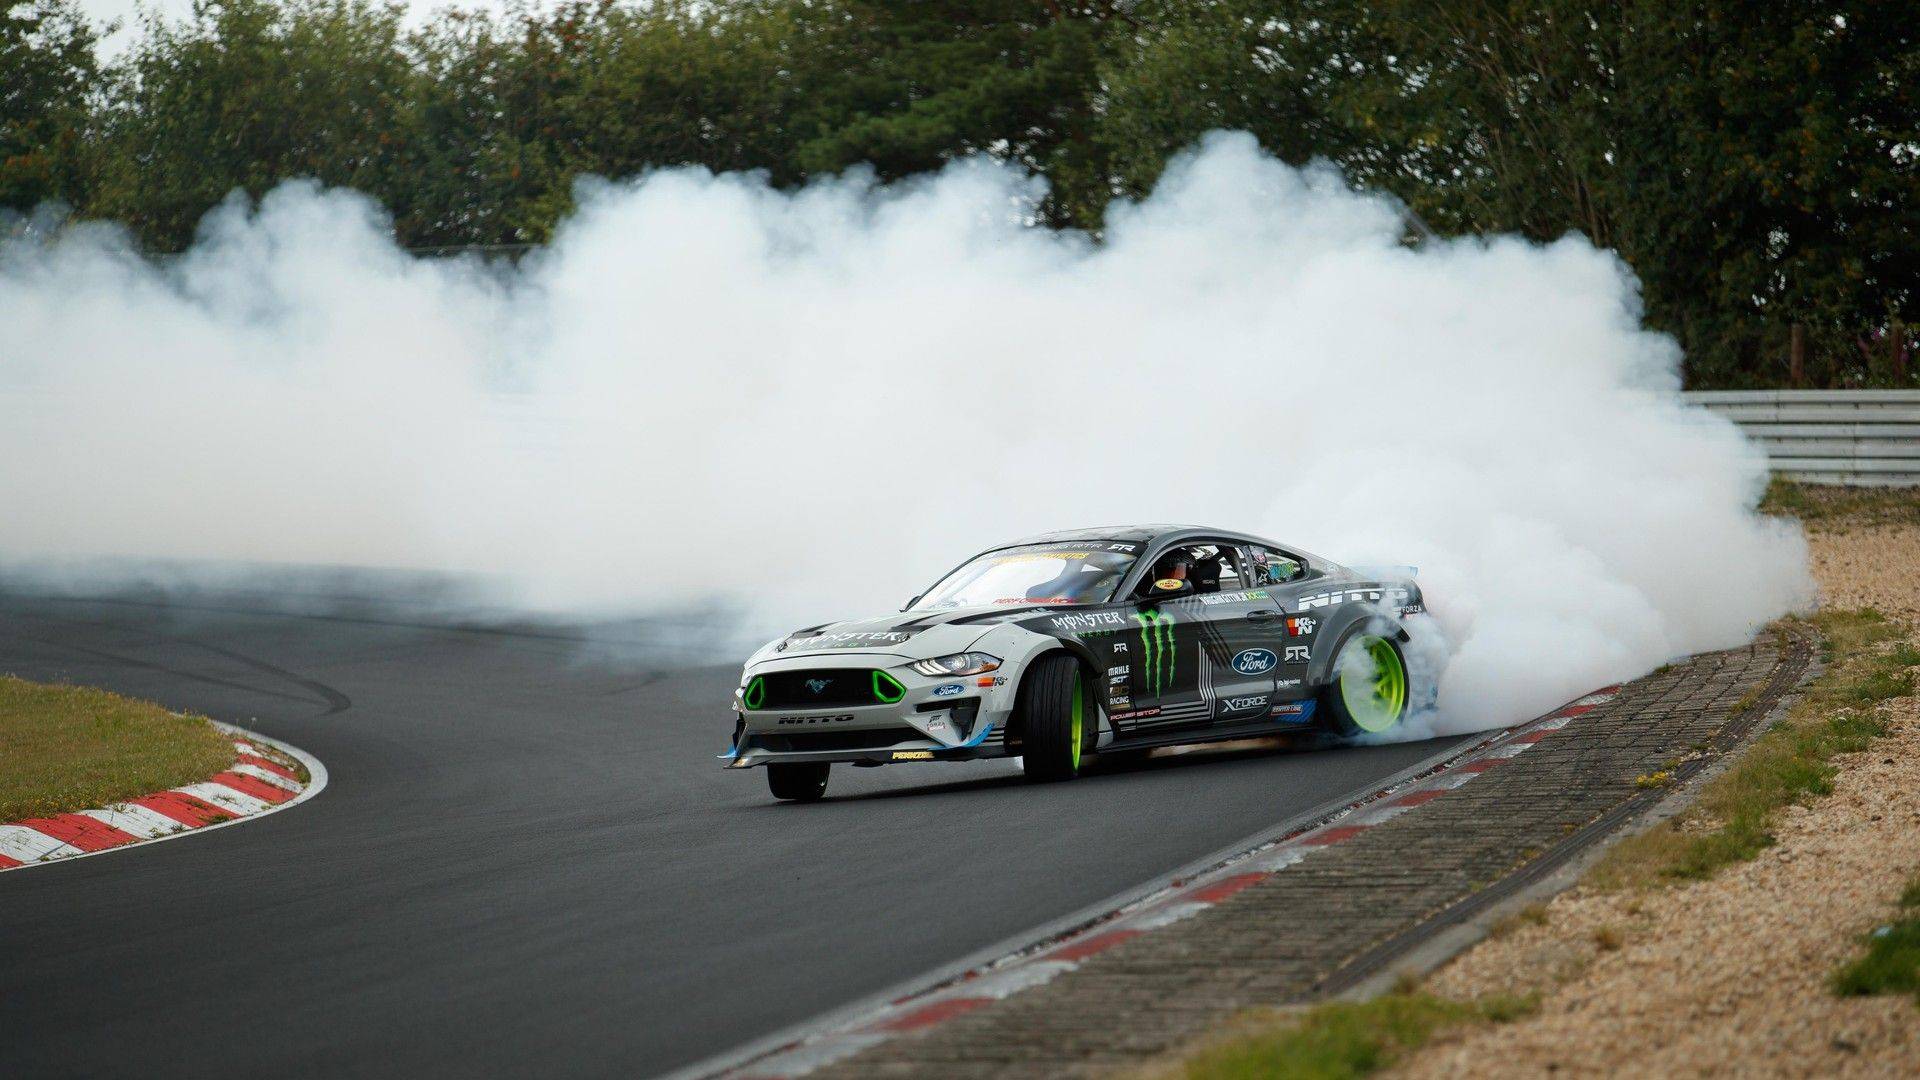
x=1156 y=640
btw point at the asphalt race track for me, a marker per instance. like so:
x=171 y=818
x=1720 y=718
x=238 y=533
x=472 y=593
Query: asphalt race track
x=528 y=862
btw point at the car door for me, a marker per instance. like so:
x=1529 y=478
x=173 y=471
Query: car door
x=1183 y=651
x=1292 y=637
x=1241 y=643
x=1164 y=672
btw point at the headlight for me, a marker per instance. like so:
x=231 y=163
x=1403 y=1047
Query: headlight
x=960 y=663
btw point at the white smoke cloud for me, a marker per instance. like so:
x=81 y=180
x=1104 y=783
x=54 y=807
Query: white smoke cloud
x=808 y=405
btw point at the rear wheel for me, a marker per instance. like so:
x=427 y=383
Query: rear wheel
x=1053 y=710
x=798 y=781
x=1368 y=692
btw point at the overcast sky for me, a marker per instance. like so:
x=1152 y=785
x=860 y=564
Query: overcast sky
x=103 y=11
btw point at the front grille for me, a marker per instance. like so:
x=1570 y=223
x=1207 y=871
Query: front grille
x=823 y=688
x=801 y=742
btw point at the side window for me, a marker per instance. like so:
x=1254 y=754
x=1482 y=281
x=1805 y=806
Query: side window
x=1274 y=567
x=1208 y=567
x=1232 y=576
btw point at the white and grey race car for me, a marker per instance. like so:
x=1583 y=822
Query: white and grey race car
x=1072 y=644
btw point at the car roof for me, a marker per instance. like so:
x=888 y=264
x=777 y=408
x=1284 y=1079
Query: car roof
x=1150 y=535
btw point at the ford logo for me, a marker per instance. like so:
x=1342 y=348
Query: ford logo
x=1255 y=661
x=948 y=690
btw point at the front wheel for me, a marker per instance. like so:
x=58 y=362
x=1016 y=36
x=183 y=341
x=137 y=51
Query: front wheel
x=798 y=781
x=1368 y=692
x=1053 y=710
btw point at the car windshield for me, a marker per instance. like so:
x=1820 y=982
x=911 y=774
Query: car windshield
x=1065 y=573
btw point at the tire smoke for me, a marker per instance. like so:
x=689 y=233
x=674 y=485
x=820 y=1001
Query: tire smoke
x=706 y=394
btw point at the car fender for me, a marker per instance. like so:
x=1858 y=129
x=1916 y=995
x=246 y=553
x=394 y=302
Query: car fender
x=1019 y=646
x=1334 y=629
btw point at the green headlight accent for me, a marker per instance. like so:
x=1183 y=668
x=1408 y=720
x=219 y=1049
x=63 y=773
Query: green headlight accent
x=887 y=689
x=756 y=694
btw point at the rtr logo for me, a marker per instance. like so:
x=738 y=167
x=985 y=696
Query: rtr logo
x=1299 y=653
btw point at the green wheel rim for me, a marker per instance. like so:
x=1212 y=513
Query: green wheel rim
x=1079 y=710
x=1375 y=700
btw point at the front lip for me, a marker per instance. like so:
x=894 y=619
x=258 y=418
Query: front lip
x=989 y=707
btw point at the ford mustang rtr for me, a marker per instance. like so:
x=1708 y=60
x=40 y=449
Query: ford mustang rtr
x=1073 y=644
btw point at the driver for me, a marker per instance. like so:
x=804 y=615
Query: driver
x=1175 y=565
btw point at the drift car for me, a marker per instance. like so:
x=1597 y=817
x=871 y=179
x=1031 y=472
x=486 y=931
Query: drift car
x=1071 y=644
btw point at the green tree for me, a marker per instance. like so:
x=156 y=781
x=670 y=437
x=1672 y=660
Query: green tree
x=1747 y=160
x=913 y=86
x=47 y=69
x=1245 y=65
x=512 y=111
x=247 y=93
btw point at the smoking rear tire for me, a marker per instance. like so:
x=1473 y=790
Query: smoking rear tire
x=798 y=781
x=1367 y=693
x=1053 y=709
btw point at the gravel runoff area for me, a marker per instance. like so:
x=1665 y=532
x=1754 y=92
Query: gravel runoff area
x=1729 y=976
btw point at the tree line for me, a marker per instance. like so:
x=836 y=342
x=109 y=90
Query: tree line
x=1755 y=162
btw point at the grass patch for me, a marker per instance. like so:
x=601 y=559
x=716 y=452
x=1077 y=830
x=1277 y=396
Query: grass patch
x=1345 y=1040
x=1531 y=915
x=1827 y=504
x=1892 y=962
x=71 y=747
x=1733 y=819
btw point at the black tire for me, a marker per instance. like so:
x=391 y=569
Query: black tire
x=1053 y=708
x=799 y=781
x=1378 y=716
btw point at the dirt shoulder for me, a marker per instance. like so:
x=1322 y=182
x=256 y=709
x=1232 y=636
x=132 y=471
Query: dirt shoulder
x=1732 y=975
x=65 y=748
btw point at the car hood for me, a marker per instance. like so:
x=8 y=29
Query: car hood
x=911 y=635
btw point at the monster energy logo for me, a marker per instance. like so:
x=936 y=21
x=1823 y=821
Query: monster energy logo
x=1156 y=640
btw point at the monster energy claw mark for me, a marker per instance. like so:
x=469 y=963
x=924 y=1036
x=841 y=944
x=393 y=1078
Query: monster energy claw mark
x=1156 y=639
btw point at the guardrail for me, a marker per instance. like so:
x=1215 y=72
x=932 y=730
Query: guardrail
x=1865 y=437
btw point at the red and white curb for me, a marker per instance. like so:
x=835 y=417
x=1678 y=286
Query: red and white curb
x=258 y=783
x=987 y=983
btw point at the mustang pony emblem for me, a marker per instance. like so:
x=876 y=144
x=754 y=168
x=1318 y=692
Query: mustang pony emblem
x=818 y=686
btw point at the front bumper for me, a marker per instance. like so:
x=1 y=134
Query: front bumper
x=955 y=718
